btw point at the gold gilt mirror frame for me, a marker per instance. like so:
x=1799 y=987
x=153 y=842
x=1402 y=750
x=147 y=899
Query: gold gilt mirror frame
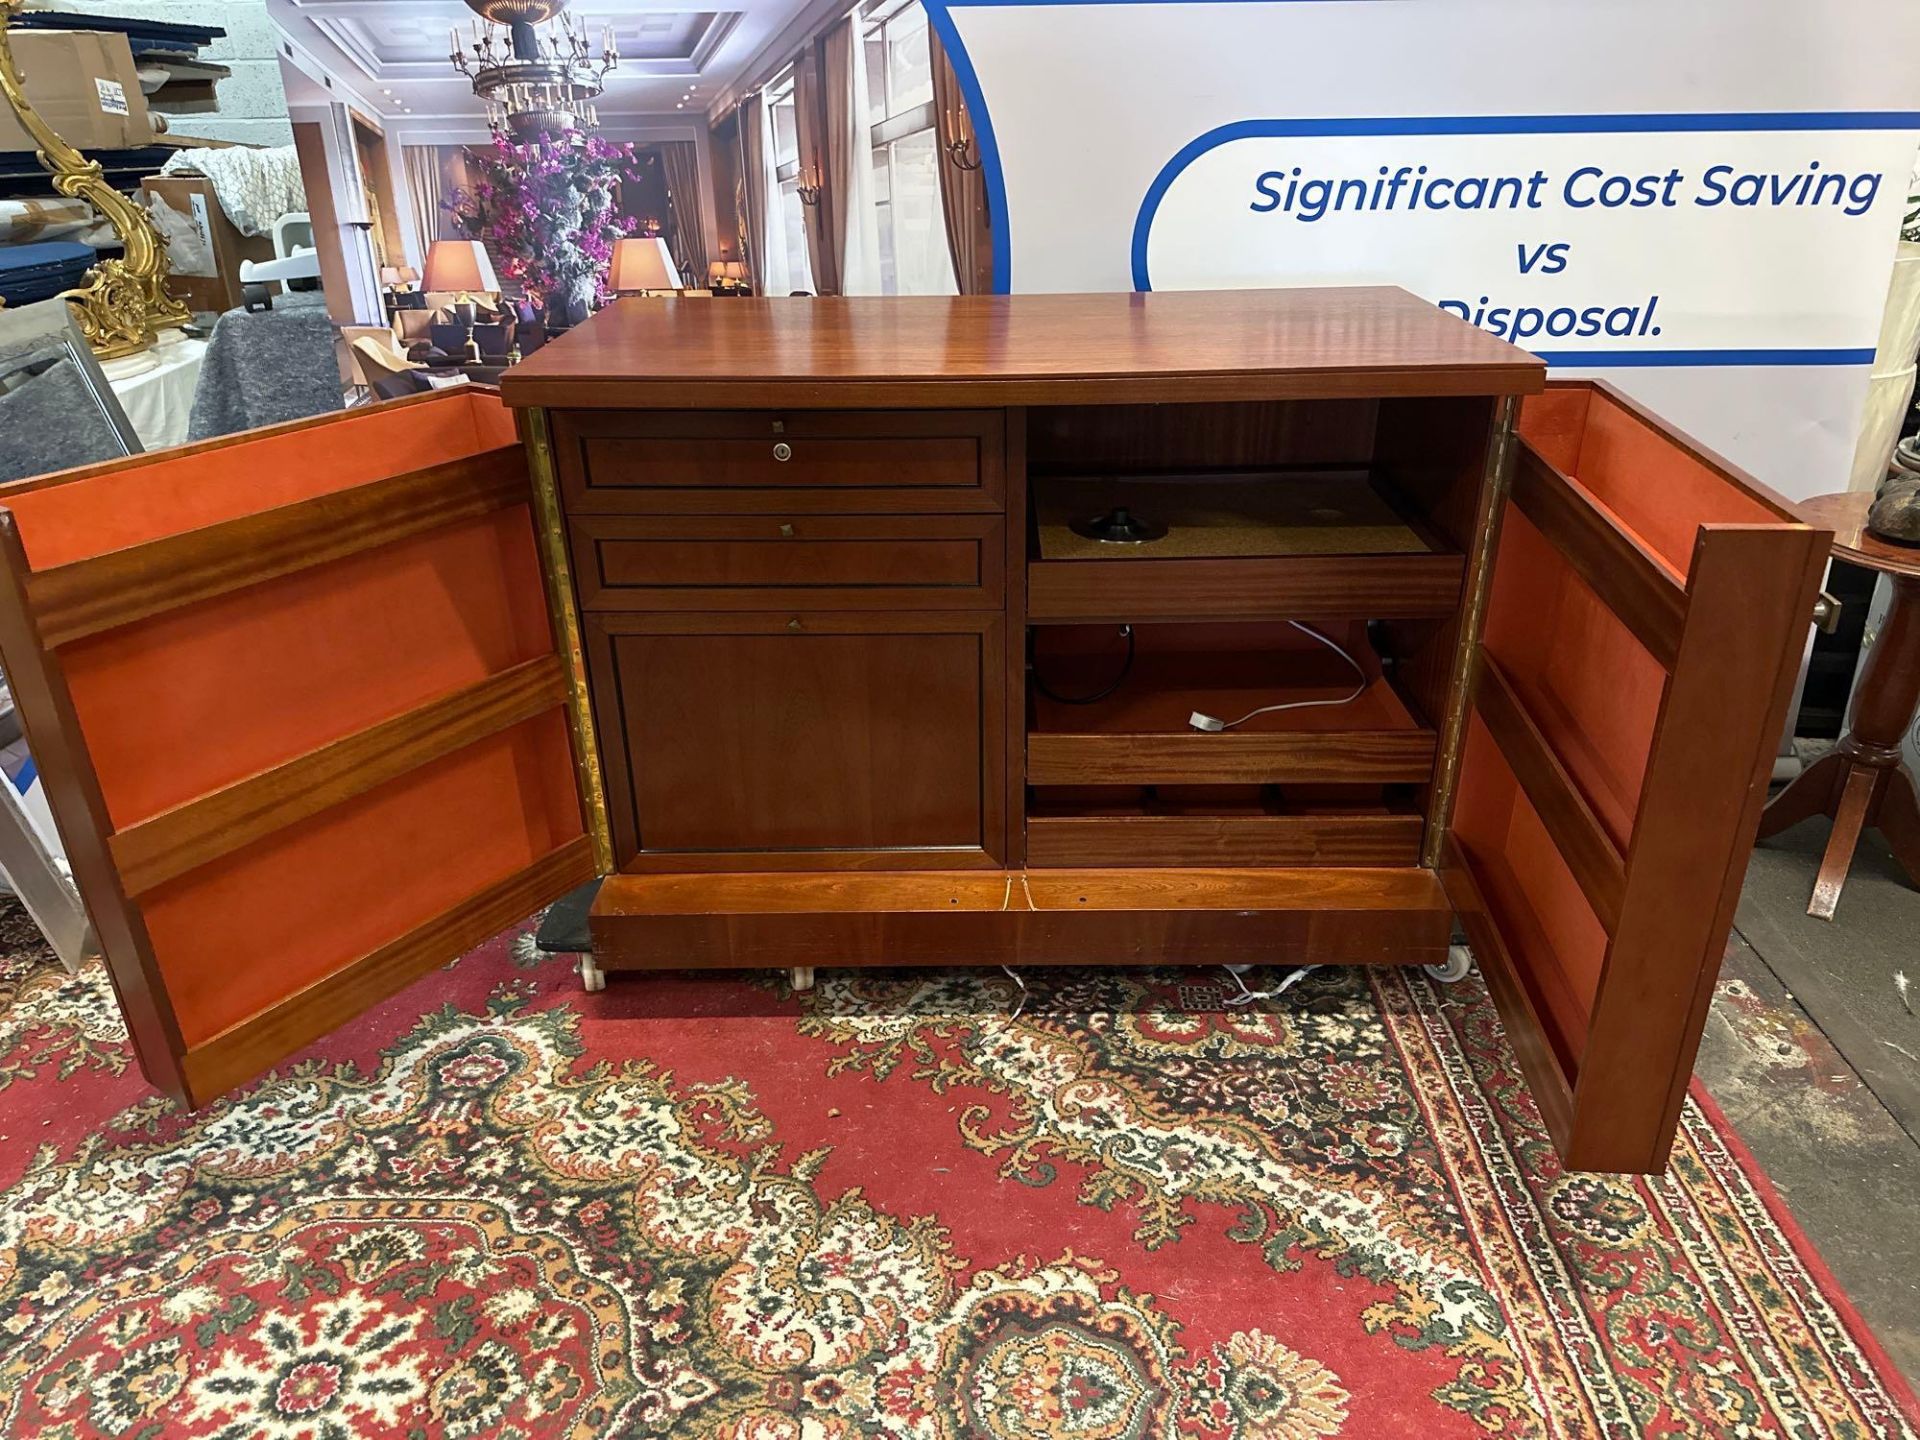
x=124 y=303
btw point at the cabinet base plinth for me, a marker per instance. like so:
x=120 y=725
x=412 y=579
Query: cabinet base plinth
x=1318 y=915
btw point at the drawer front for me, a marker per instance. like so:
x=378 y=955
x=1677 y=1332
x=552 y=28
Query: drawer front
x=805 y=562
x=811 y=742
x=723 y=462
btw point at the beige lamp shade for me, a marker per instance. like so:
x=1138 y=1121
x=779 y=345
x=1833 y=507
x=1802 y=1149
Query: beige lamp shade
x=735 y=270
x=460 y=265
x=642 y=262
x=717 y=270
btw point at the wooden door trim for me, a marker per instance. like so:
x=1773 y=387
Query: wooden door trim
x=242 y=1051
x=1629 y=579
x=1723 y=708
x=169 y=844
x=1576 y=831
x=39 y=684
x=86 y=597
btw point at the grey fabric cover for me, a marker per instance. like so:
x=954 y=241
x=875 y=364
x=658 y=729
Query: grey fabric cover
x=50 y=421
x=33 y=336
x=270 y=366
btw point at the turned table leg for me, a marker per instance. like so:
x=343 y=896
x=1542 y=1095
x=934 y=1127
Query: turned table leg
x=1863 y=783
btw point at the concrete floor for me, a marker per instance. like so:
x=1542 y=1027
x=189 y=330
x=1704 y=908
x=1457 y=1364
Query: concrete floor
x=1816 y=1061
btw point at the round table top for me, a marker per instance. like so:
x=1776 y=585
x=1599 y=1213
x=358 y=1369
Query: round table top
x=1845 y=514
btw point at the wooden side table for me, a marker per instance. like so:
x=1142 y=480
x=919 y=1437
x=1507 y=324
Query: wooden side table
x=1864 y=782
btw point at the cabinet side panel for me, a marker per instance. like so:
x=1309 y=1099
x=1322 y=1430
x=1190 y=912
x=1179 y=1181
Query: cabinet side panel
x=1594 y=689
x=235 y=937
x=196 y=698
x=90 y=512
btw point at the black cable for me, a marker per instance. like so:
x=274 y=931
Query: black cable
x=1126 y=667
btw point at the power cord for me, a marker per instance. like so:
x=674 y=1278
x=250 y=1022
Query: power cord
x=1126 y=667
x=1248 y=995
x=1212 y=725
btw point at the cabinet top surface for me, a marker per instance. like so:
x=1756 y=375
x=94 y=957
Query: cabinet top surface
x=1019 y=350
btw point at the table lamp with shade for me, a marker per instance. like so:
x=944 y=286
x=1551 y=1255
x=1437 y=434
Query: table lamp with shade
x=726 y=274
x=462 y=266
x=642 y=262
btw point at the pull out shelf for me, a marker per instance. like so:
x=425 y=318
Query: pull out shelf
x=1139 y=735
x=1239 y=545
x=1321 y=915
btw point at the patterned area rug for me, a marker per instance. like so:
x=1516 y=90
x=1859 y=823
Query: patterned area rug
x=705 y=1207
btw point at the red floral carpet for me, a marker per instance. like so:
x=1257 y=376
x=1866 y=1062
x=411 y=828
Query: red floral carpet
x=705 y=1207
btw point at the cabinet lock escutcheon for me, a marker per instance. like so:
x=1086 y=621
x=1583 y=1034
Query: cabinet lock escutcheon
x=793 y=624
x=782 y=451
x=787 y=531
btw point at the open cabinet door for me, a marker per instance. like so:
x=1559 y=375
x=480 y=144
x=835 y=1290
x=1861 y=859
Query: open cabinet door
x=301 y=716
x=1644 y=626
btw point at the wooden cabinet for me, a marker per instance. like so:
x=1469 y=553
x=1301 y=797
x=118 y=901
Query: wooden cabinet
x=777 y=621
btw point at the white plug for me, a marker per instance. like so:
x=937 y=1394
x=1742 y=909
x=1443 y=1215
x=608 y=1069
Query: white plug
x=1205 y=722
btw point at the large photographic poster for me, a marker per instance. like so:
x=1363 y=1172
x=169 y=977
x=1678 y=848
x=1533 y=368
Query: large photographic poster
x=1698 y=202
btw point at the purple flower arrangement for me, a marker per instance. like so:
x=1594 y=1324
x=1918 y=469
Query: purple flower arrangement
x=547 y=212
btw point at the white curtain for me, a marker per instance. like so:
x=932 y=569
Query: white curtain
x=860 y=260
x=422 y=166
x=776 y=266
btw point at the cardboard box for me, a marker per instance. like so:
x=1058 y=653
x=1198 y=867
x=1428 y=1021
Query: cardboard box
x=192 y=195
x=83 y=84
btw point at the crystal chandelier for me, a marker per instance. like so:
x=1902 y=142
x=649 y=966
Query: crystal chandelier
x=533 y=87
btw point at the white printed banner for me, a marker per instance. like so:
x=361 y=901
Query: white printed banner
x=1703 y=209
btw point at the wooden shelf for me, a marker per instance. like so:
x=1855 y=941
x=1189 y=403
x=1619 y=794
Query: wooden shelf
x=1139 y=735
x=1241 y=543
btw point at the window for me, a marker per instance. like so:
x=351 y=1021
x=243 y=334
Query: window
x=786 y=268
x=914 y=259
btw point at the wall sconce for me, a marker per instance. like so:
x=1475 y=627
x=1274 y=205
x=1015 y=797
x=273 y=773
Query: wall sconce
x=960 y=151
x=810 y=185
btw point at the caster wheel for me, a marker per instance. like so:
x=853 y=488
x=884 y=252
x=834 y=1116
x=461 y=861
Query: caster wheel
x=592 y=977
x=1459 y=960
x=802 y=977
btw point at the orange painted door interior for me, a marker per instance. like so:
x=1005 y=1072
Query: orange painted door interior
x=1641 y=639
x=303 y=724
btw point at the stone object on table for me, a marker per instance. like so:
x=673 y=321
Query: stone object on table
x=1896 y=512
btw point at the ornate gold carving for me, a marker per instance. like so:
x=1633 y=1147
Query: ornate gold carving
x=124 y=304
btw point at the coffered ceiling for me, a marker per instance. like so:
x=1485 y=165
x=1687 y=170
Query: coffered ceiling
x=391 y=55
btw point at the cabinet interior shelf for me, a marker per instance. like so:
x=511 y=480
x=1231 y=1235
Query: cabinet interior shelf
x=1246 y=542
x=1139 y=734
